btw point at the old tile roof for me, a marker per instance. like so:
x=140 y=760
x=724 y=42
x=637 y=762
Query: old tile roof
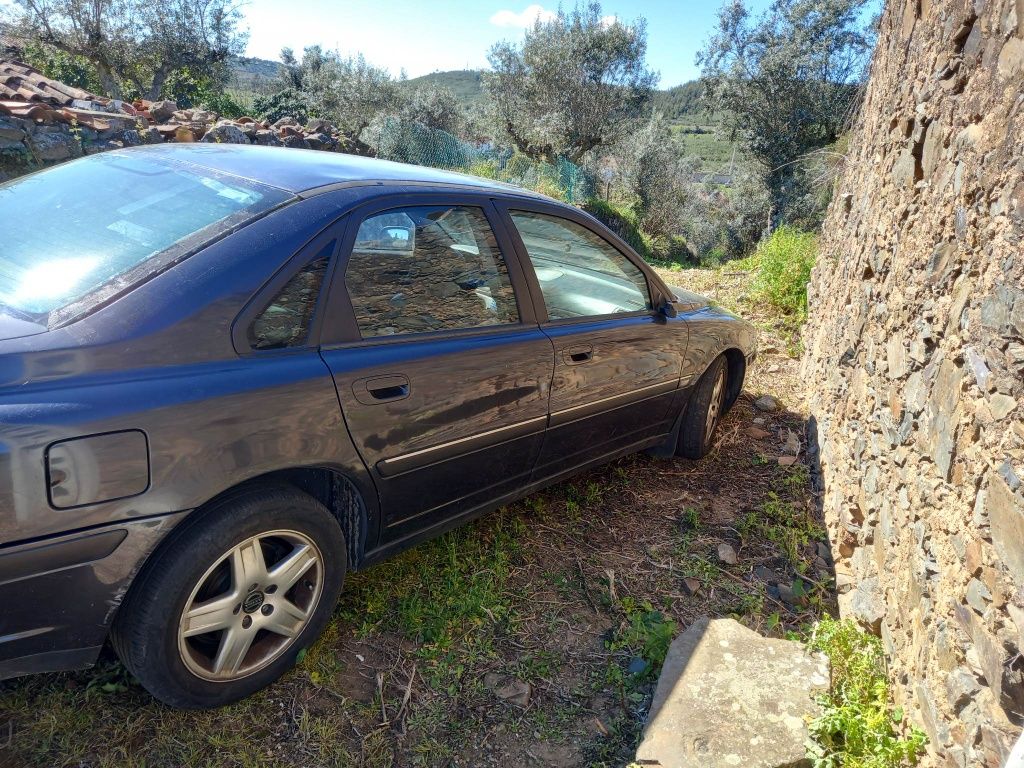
x=20 y=82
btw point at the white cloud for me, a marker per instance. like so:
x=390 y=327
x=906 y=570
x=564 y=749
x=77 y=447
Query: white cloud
x=523 y=20
x=607 y=21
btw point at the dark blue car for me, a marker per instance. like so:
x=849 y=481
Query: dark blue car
x=231 y=374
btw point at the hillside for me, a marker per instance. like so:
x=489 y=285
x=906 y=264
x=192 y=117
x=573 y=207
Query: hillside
x=696 y=132
x=467 y=84
x=251 y=73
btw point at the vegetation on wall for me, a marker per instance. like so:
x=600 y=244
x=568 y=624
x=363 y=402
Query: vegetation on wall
x=858 y=728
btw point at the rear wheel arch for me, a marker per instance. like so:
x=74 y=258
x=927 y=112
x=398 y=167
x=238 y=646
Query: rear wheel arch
x=352 y=507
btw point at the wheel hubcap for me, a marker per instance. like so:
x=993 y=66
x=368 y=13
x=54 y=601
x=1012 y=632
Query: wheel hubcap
x=715 y=408
x=250 y=605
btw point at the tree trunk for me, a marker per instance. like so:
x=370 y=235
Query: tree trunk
x=108 y=81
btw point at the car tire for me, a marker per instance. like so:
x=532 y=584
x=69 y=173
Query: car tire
x=704 y=411
x=261 y=569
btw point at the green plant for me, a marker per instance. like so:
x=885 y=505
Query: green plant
x=647 y=633
x=785 y=524
x=857 y=728
x=784 y=267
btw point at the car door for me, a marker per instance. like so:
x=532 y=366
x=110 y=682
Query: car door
x=443 y=373
x=618 y=358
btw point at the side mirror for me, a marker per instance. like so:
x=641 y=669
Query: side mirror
x=667 y=308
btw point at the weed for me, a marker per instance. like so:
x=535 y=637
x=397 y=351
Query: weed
x=789 y=526
x=647 y=633
x=857 y=729
x=784 y=267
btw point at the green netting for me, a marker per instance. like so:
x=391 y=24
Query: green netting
x=408 y=142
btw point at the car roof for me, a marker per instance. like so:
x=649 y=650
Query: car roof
x=303 y=170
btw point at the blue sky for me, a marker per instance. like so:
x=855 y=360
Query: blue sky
x=421 y=36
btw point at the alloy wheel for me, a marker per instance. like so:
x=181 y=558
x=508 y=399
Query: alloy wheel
x=715 y=406
x=250 y=605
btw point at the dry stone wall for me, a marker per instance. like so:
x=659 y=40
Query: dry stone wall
x=915 y=356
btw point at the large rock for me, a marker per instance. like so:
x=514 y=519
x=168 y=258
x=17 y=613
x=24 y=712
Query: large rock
x=728 y=697
x=225 y=133
x=162 y=111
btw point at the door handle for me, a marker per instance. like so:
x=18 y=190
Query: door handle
x=577 y=355
x=381 y=389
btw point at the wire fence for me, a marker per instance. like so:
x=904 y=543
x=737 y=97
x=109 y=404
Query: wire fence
x=408 y=142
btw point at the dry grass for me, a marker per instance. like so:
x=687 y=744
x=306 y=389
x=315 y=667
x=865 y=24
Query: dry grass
x=566 y=591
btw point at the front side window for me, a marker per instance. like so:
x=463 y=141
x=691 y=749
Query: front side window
x=428 y=268
x=104 y=222
x=579 y=273
x=286 y=320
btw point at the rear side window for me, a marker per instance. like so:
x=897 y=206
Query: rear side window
x=98 y=225
x=580 y=274
x=286 y=320
x=428 y=268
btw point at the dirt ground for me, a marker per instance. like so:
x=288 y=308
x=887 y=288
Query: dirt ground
x=530 y=638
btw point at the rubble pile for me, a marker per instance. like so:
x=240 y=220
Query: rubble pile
x=43 y=121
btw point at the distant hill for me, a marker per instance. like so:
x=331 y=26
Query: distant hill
x=251 y=73
x=467 y=84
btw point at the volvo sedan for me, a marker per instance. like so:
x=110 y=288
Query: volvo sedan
x=229 y=375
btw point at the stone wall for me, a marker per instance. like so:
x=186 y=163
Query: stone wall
x=915 y=356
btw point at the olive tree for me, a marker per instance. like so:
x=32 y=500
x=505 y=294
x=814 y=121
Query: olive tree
x=135 y=45
x=577 y=82
x=788 y=79
x=351 y=93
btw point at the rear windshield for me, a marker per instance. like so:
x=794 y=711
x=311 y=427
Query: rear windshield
x=76 y=234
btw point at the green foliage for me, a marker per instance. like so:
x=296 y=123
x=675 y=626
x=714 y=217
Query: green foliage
x=646 y=632
x=623 y=221
x=857 y=728
x=65 y=67
x=574 y=84
x=454 y=613
x=136 y=46
x=789 y=526
x=787 y=81
x=227 y=105
x=784 y=263
x=285 y=103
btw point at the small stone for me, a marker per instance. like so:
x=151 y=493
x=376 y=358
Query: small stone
x=757 y=433
x=515 y=692
x=637 y=666
x=961 y=687
x=766 y=403
x=726 y=554
x=787 y=461
x=1001 y=405
x=978 y=595
x=792 y=443
x=759 y=420
x=691 y=586
x=765 y=574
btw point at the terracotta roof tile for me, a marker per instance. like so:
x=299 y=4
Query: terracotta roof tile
x=20 y=82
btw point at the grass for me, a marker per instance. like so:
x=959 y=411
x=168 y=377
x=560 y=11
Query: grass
x=858 y=729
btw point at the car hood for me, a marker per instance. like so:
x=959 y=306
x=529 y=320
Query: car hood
x=687 y=301
x=12 y=327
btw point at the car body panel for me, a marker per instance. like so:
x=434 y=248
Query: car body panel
x=167 y=362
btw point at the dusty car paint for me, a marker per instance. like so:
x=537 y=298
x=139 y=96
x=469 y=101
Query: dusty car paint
x=488 y=415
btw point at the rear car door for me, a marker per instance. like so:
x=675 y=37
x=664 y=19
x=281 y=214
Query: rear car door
x=442 y=371
x=618 y=359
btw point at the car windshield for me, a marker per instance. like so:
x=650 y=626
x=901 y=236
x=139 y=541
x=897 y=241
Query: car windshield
x=92 y=227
